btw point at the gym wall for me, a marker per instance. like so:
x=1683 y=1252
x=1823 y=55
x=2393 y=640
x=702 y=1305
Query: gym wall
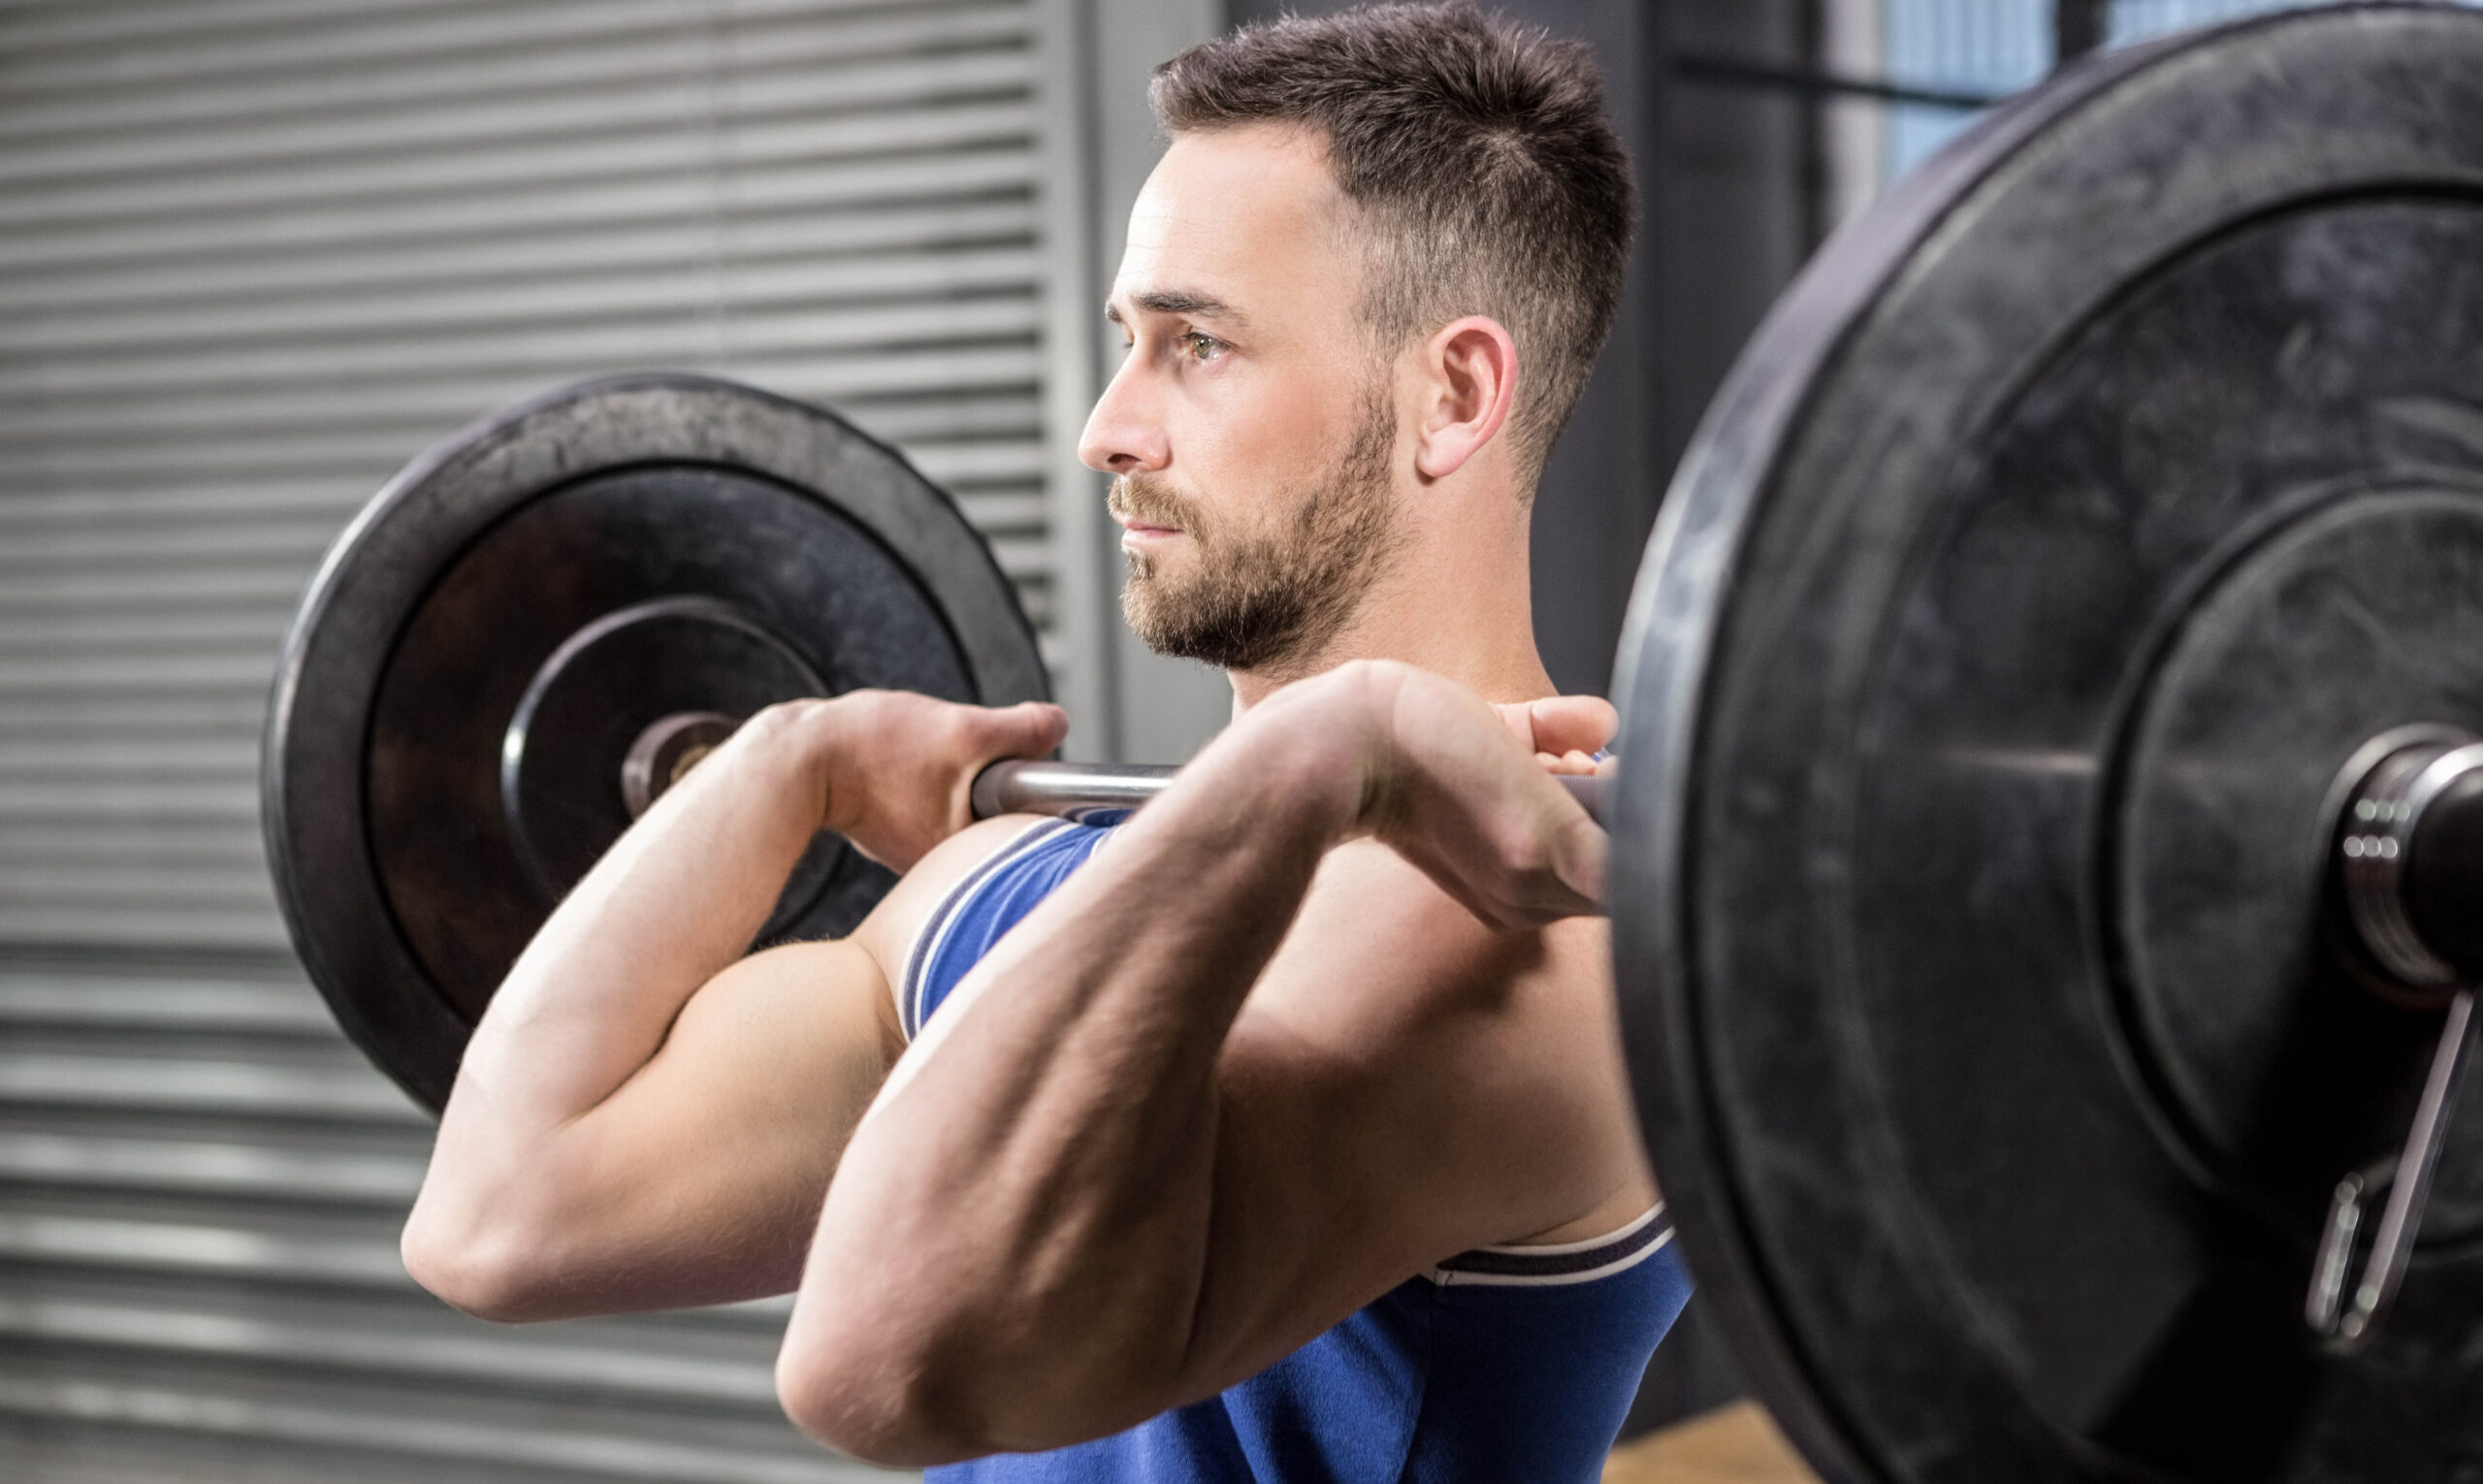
x=254 y=254
x=259 y=252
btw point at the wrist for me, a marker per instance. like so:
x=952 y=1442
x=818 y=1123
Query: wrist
x=1318 y=751
x=802 y=744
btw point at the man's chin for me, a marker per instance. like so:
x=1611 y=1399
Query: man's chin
x=1145 y=602
x=1161 y=615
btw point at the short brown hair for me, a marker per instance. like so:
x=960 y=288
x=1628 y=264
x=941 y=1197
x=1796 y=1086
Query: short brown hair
x=1480 y=150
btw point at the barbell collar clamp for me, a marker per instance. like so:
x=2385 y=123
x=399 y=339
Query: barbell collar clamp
x=2409 y=843
x=667 y=750
x=2409 y=856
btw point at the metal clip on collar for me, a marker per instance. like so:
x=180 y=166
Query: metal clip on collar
x=2376 y=848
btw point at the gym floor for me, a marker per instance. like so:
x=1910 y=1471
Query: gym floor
x=1734 y=1444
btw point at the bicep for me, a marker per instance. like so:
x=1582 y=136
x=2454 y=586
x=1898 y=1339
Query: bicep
x=724 y=1143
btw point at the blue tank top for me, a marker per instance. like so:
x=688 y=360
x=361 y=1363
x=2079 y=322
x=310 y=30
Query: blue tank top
x=1503 y=1363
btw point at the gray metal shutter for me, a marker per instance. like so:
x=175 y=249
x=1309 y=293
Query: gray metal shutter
x=253 y=255
x=201 y=1187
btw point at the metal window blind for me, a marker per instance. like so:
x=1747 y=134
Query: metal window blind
x=201 y=1187
x=254 y=254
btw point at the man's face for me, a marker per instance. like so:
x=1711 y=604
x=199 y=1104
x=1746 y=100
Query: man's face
x=1251 y=426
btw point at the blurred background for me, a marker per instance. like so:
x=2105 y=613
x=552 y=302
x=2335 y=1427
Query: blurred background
x=256 y=254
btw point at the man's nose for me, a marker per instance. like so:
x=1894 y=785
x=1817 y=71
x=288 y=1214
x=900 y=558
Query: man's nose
x=1123 y=435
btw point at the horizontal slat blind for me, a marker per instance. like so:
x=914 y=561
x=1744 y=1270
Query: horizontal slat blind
x=201 y=1187
x=254 y=254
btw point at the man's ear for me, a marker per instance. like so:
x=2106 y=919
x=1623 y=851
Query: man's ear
x=1470 y=383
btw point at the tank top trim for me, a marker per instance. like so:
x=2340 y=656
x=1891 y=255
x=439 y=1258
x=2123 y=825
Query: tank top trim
x=928 y=938
x=1560 y=1262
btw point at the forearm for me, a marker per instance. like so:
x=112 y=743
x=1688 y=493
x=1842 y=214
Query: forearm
x=1026 y=1211
x=537 y=1201
x=647 y=1115
x=684 y=891
x=673 y=903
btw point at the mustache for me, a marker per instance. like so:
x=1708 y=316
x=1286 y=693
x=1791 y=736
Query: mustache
x=1145 y=501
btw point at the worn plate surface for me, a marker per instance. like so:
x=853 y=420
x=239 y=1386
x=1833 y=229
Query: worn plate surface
x=460 y=688
x=2062 y=534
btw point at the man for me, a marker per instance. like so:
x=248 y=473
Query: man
x=1280 y=1132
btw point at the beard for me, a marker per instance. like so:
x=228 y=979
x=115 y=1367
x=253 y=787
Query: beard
x=1271 y=600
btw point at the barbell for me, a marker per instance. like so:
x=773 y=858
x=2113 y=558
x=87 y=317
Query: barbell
x=2048 y=846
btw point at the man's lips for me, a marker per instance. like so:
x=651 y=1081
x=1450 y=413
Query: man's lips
x=1142 y=516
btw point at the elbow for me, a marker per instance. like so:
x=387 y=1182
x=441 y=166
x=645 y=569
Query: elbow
x=870 y=1412
x=909 y=1390
x=876 y=1398
x=484 y=1269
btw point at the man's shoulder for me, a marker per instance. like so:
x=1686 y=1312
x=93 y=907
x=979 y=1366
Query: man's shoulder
x=1488 y=1061
x=887 y=934
x=1372 y=913
x=1367 y=881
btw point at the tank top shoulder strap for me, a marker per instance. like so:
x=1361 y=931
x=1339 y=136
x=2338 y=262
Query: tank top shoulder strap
x=1561 y=1263
x=984 y=904
x=943 y=917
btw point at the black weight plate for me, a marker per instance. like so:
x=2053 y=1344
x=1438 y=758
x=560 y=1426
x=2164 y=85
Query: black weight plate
x=515 y=690
x=2068 y=527
x=484 y=643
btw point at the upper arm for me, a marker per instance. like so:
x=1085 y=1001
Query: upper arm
x=733 y=1130
x=701 y=1177
x=696 y=1181
x=737 y=1124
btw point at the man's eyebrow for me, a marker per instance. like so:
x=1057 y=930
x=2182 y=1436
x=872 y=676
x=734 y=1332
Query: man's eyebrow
x=1180 y=301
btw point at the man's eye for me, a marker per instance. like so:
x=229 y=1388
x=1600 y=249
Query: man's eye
x=1202 y=348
